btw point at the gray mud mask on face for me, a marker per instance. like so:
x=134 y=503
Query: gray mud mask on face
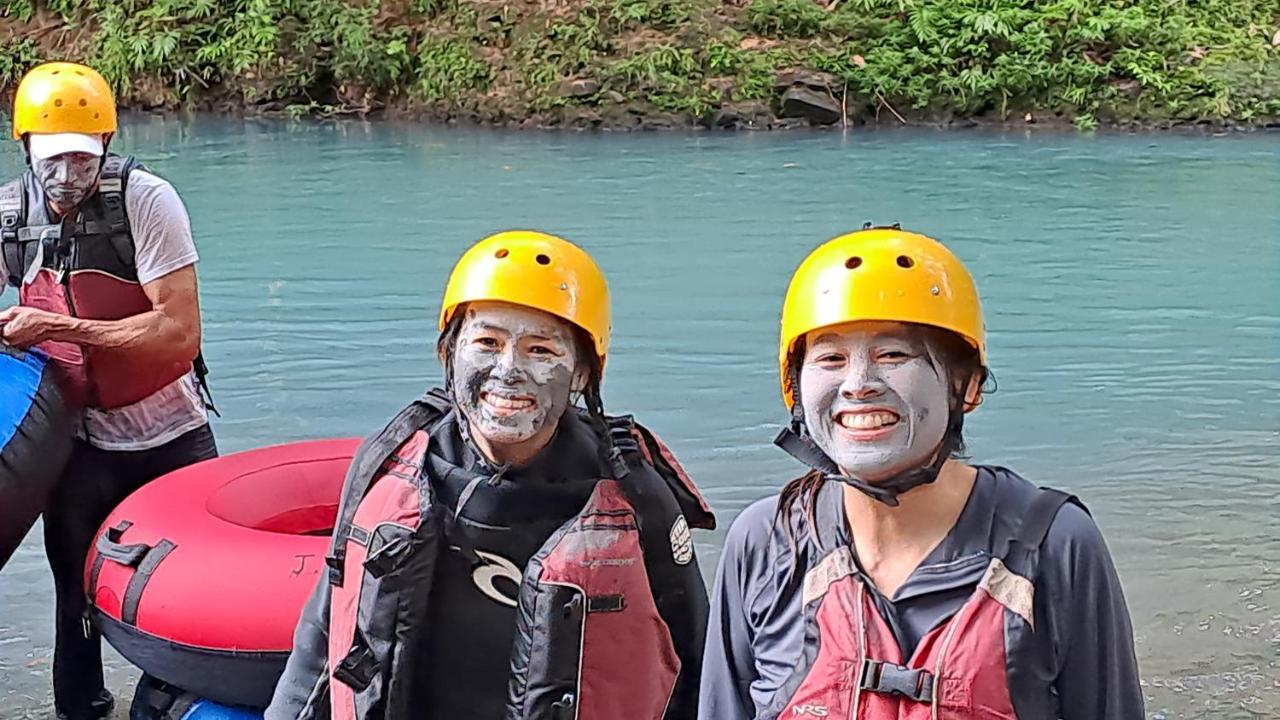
x=67 y=179
x=909 y=386
x=914 y=387
x=506 y=393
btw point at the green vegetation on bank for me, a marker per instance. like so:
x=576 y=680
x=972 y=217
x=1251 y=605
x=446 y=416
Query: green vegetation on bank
x=629 y=63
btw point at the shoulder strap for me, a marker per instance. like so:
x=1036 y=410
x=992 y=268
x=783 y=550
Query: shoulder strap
x=112 y=185
x=115 y=173
x=1039 y=517
x=13 y=214
x=12 y=200
x=420 y=414
x=630 y=437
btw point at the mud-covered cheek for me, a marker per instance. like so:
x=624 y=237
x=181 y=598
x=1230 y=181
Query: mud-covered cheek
x=818 y=391
x=562 y=381
x=469 y=371
x=66 y=180
x=924 y=391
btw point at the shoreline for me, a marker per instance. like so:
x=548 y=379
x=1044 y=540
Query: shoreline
x=588 y=123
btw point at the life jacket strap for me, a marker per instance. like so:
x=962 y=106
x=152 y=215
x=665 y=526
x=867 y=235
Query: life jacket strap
x=13 y=212
x=202 y=382
x=111 y=185
x=420 y=414
x=622 y=443
x=888 y=679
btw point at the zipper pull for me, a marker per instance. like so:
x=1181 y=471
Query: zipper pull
x=563 y=709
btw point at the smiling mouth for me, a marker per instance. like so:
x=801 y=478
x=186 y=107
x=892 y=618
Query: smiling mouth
x=867 y=420
x=506 y=404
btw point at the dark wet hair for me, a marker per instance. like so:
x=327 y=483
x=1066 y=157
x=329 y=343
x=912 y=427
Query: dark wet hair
x=583 y=348
x=947 y=352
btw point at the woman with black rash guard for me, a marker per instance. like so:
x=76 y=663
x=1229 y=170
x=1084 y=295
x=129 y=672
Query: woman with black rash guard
x=503 y=552
x=894 y=581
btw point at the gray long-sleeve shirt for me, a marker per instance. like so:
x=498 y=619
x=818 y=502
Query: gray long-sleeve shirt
x=755 y=636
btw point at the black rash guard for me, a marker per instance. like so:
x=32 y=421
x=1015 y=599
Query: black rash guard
x=502 y=524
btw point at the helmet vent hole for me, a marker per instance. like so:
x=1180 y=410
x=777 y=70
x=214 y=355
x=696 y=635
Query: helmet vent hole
x=57 y=103
x=543 y=259
x=83 y=102
x=502 y=253
x=853 y=263
x=905 y=262
x=55 y=72
x=95 y=116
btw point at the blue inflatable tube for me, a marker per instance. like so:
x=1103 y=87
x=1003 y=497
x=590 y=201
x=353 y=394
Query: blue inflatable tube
x=158 y=700
x=210 y=710
x=35 y=441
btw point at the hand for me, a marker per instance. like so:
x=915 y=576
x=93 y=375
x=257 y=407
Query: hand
x=23 y=327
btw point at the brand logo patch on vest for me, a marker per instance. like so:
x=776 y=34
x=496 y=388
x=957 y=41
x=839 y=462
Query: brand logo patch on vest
x=495 y=566
x=814 y=710
x=681 y=542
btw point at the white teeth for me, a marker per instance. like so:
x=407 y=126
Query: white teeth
x=507 y=403
x=867 y=421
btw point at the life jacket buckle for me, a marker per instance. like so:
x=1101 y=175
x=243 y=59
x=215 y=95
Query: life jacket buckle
x=389 y=557
x=358 y=669
x=886 y=678
x=335 y=569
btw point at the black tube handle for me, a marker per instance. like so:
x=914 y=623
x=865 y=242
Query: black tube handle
x=110 y=547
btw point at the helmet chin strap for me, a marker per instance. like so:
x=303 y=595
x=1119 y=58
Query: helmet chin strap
x=798 y=443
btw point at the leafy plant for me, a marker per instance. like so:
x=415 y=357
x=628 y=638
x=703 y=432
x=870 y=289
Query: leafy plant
x=448 y=68
x=1100 y=59
x=652 y=13
x=786 y=18
x=15 y=59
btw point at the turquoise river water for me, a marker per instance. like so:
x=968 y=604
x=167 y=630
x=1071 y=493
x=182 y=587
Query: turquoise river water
x=1131 y=284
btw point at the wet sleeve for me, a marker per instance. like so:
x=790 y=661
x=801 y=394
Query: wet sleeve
x=683 y=606
x=161 y=227
x=303 y=690
x=1090 y=628
x=675 y=580
x=728 y=666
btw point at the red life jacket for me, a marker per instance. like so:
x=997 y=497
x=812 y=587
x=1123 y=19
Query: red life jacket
x=591 y=641
x=854 y=668
x=87 y=270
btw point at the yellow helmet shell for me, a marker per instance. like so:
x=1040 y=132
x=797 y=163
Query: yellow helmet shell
x=534 y=270
x=62 y=97
x=880 y=274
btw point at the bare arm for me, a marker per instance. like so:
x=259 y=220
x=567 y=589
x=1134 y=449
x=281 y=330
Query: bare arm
x=169 y=332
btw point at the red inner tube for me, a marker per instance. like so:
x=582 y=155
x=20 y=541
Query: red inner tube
x=293 y=499
x=249 y=534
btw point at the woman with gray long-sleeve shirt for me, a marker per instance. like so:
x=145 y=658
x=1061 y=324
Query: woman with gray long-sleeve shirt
x=894 y=580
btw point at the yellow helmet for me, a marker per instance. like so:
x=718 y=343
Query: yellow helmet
x=62 y=97
x=534 y=270
x=883 y=274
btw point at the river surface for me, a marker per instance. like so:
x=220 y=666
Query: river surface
x=1131 y=285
